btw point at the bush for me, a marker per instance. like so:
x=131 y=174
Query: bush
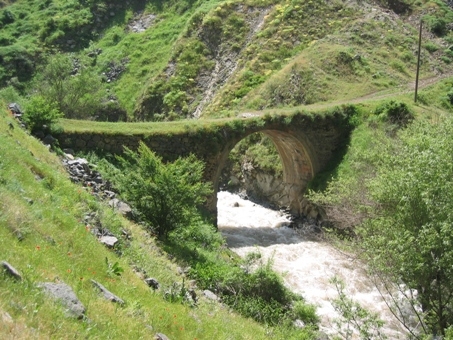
x=409 y=239
x=397 y=113
x=436 y=25
x=40 y=113
x=450 y=96
x=164 y=195
x=306 y=312
x=72 y=88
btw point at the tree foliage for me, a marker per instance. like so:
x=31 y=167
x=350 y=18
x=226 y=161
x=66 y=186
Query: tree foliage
x=72 y=88
x=39 y=112
x=410 y=240
x=164 y=195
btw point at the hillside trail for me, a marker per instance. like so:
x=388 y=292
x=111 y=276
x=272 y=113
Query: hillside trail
x=401 y=89
x=376 y=95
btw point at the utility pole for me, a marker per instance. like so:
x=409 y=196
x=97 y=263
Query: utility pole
x=418 y=60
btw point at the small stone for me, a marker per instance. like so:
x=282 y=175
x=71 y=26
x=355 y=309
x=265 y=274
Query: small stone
x=153 y=283
x=298 y=323
x=29 y=200
x=107 y=294
x=11 y=271
x=109 y=241
x=160 y=336
x=6 y=318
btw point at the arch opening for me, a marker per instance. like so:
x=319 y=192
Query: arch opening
x=297 y=169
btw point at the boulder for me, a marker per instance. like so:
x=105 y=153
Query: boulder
x=210 y=295
x=109 y=241
x=121 y=207
x=49 y=140
x=64 y=293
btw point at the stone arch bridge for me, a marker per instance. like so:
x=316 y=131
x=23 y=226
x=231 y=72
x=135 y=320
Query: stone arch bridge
x=305 y=142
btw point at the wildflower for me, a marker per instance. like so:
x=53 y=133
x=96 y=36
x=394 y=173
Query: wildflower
x=69 y=270
x=38 y=247
x=69 y=253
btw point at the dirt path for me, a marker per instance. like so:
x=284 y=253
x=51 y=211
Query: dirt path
x=401 y=89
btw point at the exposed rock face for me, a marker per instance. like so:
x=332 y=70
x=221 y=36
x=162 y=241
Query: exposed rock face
x=265 y=187
x=226 y=58
x=141 y=22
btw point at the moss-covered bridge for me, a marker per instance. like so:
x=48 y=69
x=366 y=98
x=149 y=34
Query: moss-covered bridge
x=305 y=142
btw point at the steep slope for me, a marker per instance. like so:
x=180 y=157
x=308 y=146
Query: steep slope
x=45 y=236
x=184 y=59
x=290 y=58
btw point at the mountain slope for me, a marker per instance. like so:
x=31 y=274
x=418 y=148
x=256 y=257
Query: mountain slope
x=178 y=59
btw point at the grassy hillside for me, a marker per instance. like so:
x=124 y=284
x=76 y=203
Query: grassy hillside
x=163 y=61
x=45 y=237
x=177 y=59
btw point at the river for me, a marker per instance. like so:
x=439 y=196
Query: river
x=307 y=265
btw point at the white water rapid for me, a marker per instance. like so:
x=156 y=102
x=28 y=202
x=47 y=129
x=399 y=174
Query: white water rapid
x=307 y=266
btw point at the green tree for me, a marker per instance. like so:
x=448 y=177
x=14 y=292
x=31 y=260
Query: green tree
x=409 y=241
x=164 y=195
x=39 y=112
x=74 y=89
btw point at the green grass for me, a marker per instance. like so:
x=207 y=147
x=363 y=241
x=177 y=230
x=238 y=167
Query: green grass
x=291 y=60
x=44 y=237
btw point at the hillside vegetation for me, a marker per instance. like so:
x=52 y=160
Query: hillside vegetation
x=387 y=198
x=158 y=61
x=46 y=228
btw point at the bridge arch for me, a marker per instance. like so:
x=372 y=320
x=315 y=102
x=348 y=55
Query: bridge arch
x=298 y=159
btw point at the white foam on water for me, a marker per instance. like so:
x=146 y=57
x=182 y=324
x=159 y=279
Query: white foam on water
x=307 y=266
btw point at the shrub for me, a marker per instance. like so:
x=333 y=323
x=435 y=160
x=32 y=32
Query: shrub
x=409 y=239
x=450 y=96
x=6 y=17
x=164 y=195
x=436 y=25
x=431 y=47
x=397 y=113
x=40 y=113
x=72 y=88
x=306 y=312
